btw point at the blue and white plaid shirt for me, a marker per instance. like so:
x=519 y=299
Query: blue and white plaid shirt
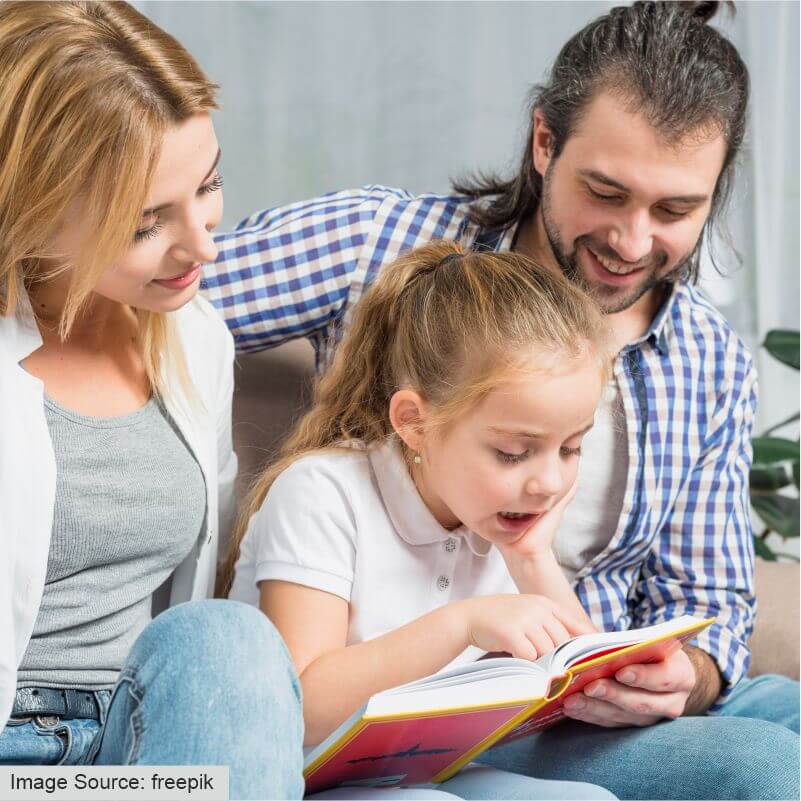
x=683 y=543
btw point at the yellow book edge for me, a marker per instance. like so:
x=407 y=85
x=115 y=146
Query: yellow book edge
x=534 y=705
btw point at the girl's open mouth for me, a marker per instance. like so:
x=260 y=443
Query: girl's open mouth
x=515 y=521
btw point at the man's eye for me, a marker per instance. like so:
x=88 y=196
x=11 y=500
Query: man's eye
x=565 y=451
x=148 y=233
x=672 y=213
x=511 y=458
x=215 y=184
x=600 y=196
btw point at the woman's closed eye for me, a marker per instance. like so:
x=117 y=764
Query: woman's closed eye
x=148 y=233
x=212 y=186
x=153 y=230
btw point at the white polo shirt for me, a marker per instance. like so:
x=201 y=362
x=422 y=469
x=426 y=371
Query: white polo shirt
x=352 y=523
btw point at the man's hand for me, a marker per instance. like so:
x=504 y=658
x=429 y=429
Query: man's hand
x=686 y=682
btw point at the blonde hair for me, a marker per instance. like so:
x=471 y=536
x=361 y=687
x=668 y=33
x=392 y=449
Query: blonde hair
x=87 y=92
x=448 y=324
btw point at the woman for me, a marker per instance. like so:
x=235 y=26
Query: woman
x=116 y=466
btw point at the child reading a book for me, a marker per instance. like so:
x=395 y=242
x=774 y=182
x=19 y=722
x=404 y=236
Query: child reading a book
x=407 y=525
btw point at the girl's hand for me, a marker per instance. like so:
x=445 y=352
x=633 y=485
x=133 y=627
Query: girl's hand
x=526 y=626
x=537 y=539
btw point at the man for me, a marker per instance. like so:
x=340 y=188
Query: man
x=628 y=162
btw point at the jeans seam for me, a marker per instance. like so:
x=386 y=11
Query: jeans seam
x=136 y=691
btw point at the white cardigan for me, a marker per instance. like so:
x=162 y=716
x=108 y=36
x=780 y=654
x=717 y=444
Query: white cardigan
x=28 y=471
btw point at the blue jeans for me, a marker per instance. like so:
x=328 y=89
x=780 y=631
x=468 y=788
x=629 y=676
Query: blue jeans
x=748 y=750
x=211 y=683
x=206 y=683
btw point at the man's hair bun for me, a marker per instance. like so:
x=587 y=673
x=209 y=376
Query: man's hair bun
x=704 y=10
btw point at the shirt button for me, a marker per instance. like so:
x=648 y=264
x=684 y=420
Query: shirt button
x=450 y=545
x=443 y=582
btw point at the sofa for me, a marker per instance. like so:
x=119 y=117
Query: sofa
x=273 y=388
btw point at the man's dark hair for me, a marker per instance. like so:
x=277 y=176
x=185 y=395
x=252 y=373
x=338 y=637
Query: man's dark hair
x=666 y=63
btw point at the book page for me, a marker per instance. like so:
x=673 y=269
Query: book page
x=480 y=684
x=587 y=645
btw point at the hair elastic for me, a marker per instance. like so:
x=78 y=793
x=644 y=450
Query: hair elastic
x=450 y=258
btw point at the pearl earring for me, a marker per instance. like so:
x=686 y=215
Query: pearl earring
x=417 y=459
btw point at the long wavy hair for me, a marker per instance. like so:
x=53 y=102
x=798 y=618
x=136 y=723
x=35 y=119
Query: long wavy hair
x=87 y=92
x=449 y=324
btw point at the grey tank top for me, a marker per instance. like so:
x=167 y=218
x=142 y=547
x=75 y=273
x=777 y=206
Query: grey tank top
x=130 y=504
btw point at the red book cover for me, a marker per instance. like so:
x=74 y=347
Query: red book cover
x=408 y=747
x=408 y=751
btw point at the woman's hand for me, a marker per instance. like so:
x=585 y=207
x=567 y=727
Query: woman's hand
x=526 y=626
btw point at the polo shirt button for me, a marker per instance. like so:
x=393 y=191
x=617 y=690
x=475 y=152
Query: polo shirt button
x=450 y=545
x=443 y=582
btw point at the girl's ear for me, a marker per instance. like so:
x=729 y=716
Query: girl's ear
x=408 y=413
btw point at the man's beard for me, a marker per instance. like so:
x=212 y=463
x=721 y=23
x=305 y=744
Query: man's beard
x=610 y=299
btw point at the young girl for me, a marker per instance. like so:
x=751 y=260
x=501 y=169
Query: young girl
x=408 y=524
x=116 y=467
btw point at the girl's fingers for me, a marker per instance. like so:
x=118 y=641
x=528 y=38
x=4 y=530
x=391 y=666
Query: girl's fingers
x=524 y=648
x=540 y=640
x=556 y=631
x=572 y=622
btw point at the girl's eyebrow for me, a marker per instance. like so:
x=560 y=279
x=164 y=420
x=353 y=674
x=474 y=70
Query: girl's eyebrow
x=533 y=434
x=148 y=212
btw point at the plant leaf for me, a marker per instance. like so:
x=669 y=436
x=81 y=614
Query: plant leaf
x=783 y=345
x=775 y=459
x=779 y=513
x=768 y=450
x=762 y=549
x=769 y=477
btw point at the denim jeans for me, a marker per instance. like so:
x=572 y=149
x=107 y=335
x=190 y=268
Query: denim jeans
x=211 y=683
x=206 y=683
x=748 y=750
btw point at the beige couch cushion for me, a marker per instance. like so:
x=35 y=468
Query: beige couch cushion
x=775 y=644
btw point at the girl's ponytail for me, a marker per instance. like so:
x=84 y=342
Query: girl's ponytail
x=351 y=400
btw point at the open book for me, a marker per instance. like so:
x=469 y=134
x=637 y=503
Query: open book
x=427 y=730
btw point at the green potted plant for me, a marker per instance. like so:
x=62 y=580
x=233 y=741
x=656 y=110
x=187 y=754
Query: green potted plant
x=775 y=471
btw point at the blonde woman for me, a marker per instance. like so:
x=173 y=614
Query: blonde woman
x=440 y=453
x=116 y=466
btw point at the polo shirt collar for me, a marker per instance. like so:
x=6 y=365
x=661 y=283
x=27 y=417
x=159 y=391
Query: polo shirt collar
x=410 y=517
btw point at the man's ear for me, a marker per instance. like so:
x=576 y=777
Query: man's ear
x=542 y=143
x=408 y=413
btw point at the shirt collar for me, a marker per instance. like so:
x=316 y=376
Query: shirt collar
x=410 y=517
x=660 y=332
x=19 y=334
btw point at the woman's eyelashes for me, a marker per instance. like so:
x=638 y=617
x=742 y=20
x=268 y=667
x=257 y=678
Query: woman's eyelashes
x=213 y=185
x=148 y=233
x=153 y=231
